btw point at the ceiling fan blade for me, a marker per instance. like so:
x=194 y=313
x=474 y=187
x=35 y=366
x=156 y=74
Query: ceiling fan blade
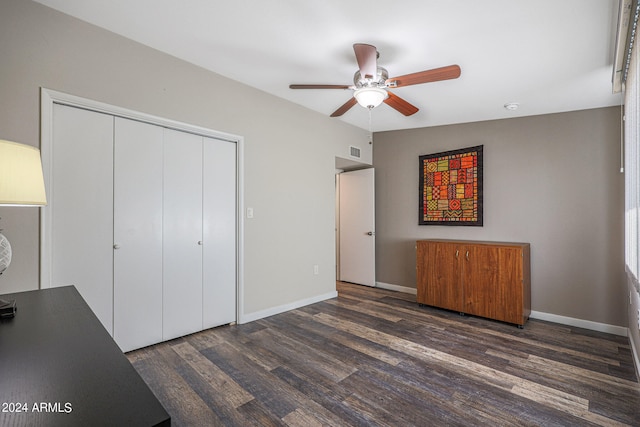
x=437 y=74
x=394 y=101
x=367 y=56
x=319 y=86
x=345 y=107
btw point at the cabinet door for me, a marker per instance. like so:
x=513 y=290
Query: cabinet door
x=137 y=229
x=81 y=205
x=219 y=233
x=492 y=281
x=438 y=275
x=182 y=234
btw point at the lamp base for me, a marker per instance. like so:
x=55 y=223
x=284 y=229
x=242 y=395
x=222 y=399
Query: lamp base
x=8 y=308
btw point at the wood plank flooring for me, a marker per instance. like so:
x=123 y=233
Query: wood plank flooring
x=373 y=357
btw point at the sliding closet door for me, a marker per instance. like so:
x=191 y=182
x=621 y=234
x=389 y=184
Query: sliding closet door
x=137 y=228
x=81 y=206
x=219 y=227
x=182 y=234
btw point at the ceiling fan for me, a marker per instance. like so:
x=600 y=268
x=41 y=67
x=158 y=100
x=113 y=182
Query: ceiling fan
x=371 y=83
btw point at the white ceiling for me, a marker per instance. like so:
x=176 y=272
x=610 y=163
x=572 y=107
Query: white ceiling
x=547 y=55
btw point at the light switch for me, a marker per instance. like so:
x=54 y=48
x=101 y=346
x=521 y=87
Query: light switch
x=249 y=212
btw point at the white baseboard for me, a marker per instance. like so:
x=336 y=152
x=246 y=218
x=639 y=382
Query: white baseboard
x=397 y=288
x=555 y=318
x=246 y=318
x=563 y=320
x=580 y=323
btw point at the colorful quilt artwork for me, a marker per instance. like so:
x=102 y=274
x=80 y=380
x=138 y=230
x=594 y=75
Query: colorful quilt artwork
x=451 y=187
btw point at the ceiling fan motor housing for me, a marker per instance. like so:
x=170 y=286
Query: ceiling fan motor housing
x=379 y=81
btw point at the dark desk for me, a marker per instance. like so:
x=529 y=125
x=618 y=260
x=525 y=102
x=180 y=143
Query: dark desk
x=60 y=367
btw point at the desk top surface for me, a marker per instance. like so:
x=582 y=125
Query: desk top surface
x=59 y=366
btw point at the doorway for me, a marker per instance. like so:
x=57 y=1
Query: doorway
x=355 y=226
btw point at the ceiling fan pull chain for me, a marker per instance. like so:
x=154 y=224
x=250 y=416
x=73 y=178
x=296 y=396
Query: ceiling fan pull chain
x=370 y=127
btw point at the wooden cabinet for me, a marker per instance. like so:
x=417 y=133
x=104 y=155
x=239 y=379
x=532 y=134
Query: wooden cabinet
x=487 y=279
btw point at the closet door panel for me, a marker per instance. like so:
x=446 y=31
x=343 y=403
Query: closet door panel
x=182 y=234
x=219 y=230
x=81 y=207
x=137 y=287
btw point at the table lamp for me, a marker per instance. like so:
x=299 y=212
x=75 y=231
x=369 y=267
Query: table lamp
x=21 y=184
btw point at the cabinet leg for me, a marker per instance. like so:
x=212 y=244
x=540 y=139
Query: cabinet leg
x=461 y=314
x=520 y=326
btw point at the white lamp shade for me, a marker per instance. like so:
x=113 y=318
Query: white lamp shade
x=21 y=179
x=370 y=97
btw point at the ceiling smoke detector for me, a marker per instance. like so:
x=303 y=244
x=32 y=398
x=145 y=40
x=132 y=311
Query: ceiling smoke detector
x=511 y=106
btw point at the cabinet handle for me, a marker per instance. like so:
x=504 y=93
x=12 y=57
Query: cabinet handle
x=457 y=252
x=467 y=255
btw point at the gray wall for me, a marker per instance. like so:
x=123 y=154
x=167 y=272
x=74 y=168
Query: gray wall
x=570 y=209
x=289 y=150
x=553 y=181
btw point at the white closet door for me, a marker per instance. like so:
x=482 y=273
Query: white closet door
x=219 y=227
x=81 y=206
x=137 y=229
x=182 y=234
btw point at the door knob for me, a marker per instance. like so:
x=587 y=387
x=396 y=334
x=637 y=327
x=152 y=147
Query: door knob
x=370 y=233
x=115 y=246
x=200 y=242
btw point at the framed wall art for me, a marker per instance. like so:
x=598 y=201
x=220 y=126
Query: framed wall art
x=451 y=188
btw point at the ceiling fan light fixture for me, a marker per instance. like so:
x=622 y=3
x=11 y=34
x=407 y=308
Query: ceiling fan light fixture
x=370 y=97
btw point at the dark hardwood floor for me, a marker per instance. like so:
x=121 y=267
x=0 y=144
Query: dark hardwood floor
x=374 y=357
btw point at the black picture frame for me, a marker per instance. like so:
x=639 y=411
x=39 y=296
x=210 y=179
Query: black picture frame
x=450 y=188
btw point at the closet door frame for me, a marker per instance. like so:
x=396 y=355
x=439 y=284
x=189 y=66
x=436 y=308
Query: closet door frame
x=50 y=97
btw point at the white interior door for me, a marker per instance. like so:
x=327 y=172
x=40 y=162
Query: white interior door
x=182 y=234
x=357 y=227
x=81 y=206
x=137 y=229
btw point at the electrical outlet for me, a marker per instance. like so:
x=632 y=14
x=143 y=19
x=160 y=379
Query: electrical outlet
x=316 y=269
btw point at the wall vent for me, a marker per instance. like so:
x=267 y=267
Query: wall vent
x=354 y=151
